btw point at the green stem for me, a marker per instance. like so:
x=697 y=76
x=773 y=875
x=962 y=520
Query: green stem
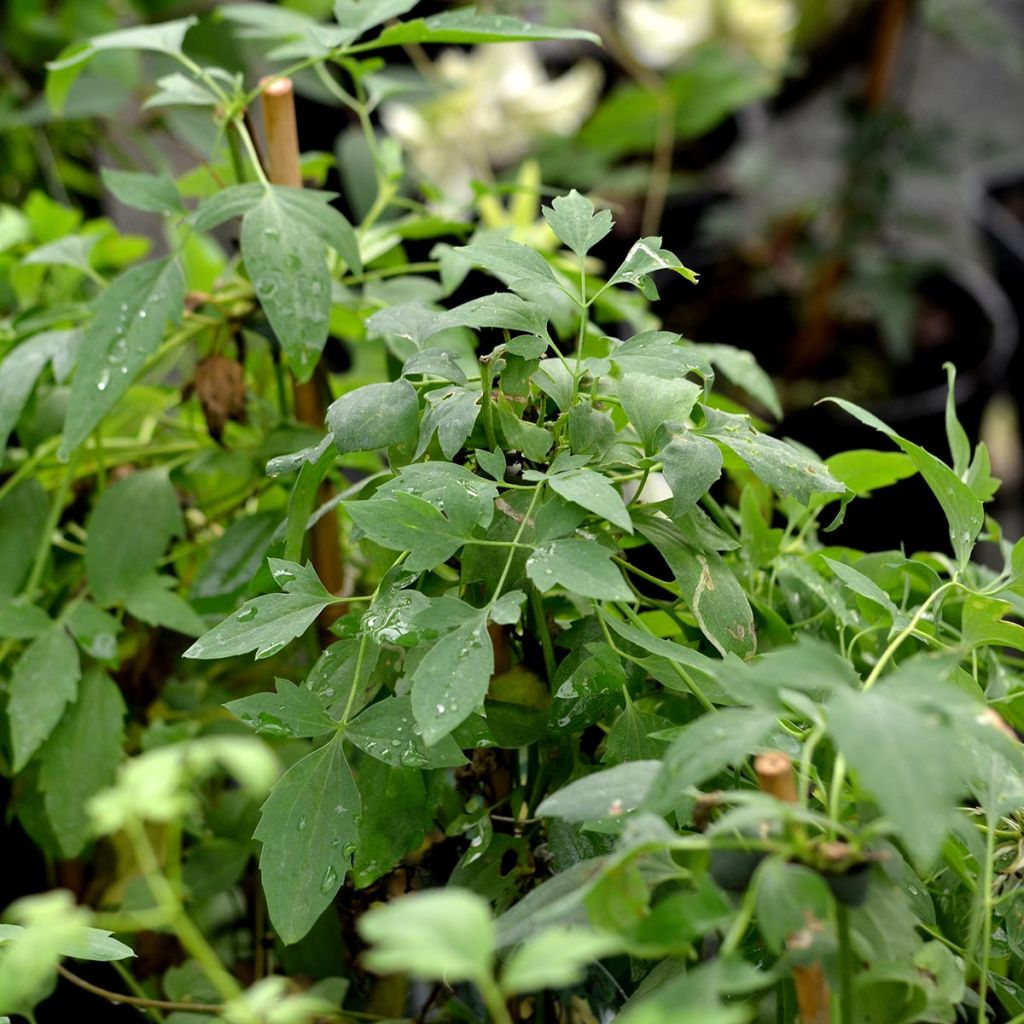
x=515 y=544
x=905 y=632
x=43 y=551
x=494 y=1002
x=544 y=632
x=250 y=149
x=487 y=401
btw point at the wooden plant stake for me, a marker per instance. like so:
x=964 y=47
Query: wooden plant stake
x=282 y=138
x=775 y=776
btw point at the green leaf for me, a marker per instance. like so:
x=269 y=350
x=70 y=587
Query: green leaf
x=288 y=267
x=451 y=413
x=153 y=600
x=886 y=741
x=582 y=567
x=573 y=220
x=388 y=732
x=716 y=599
x=864 y=470
x=743 y=370
x=603 y=795
x=128 y=531
x=517 y=265
x=268 y=623
x=177 y=89
x=167 y=37
x=984 y=624
x=375 y=416
x=959 y=446
x=789 y=898
x=443 y=935
x=555 y=958
x=867 y=588
x=660 y=354
x=706 y=747
x=397 y=814
x=293 y=711
x=96 y=944
x=127 y=329
x=356 y=16
x=234 y=201
x=964 y=512
x=22 y=522
x=20 y=369
x=643 y=259
x=653 y=402
x=69 y=251
x=408 y=522
x=154 y=193
x=772 y=461
x=79 y=759
x=22 y=621
x=311 y=209
x=451 y=681
x=690 y=465
x=309 y=827
x=467 y=26
x=593 y=492
x=43 y=682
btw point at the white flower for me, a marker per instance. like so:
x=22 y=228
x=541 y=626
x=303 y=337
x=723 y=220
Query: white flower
x=494 y=104
x=762 y=27
x=661 y=32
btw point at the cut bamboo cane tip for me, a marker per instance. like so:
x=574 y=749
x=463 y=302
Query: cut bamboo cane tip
x=775 y=775
x=275 y=86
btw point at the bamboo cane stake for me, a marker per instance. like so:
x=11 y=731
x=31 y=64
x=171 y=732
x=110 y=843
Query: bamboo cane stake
x=776 y=777
x=282 y=138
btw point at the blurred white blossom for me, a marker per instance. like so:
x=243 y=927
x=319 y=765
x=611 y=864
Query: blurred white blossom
x=660 y=33
x=493 y=104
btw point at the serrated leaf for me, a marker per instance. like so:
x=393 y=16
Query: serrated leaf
x=387 y=731
x=154 y=193
x=79 y=759
x=356 y=16
x=177 y=89
x=660 y=354
x=451 y=413
x=264 y=625
x=375 y=416
x=293 y=711
x=69 y=251
x=866 y=588
x=451 y=681
x=886 y=741
x=643 y=259
x=964 y=511
x=309 y=827
x=573 y=220
x=43 y=682
x=602 y=795
x=789 y=898
x=127 y=329
x=408 y=522
x=595 y=493
x=128 y=531
x=582 y=567
x=512 y=262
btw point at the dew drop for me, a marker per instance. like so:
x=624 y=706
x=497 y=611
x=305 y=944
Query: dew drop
x=302 y=823
x=330 y=879
x=101 y=384
x=247 y=614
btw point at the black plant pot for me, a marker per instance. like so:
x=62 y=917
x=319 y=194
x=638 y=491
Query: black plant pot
x=979 y=336
x=732 y=870
x=850 y=887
